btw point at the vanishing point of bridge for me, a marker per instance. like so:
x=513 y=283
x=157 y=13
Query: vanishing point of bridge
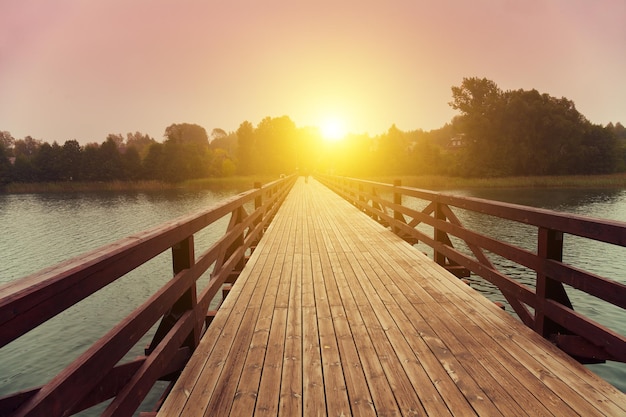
x=332 y=314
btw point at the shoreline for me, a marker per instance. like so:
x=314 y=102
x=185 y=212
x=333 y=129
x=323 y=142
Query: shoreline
x=441 y=183
x=118 y=186
x=430 y=182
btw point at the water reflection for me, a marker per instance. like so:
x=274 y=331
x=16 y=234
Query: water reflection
x=41 y=230
x=605 y=203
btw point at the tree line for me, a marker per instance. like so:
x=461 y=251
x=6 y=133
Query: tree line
x=496 y=133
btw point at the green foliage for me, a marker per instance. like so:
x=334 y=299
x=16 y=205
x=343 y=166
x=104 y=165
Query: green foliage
x=245 y=153
x=140 y=142
x=527 y=133
x=497 y=133
x=6 y=174
x=154 y=161
x=275 y=146
x=187 y=133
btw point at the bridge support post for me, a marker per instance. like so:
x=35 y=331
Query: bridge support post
x=182 y=258
x=549 y=246
x=397 y=199
x=440 y=235
x=258 y=203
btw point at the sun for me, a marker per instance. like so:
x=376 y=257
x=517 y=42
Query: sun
x=333 y=129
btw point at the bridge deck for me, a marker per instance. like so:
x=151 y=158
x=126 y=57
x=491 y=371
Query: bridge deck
x=335 y=315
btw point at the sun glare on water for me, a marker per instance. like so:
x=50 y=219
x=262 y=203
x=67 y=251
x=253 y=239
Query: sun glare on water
x=333 y=129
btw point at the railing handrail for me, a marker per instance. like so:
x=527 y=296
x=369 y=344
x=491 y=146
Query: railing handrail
x=28 y=302
x=604 y=230
x=553 y=315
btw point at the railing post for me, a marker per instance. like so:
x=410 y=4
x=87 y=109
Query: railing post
x=237 y=217
x=258 y=203
x=549 y=246
x=182 y=258
x=439 y=235
x=397 y=200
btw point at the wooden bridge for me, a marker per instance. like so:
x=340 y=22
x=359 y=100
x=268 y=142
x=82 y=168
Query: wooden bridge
x=333 y=314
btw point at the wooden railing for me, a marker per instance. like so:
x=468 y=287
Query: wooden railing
x=183 y=311
x=544 y=306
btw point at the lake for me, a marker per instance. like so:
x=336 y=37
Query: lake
x=39 y=230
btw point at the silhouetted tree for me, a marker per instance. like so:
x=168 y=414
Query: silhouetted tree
x=72 y=162
x=275 y=145
x=392 y=152
x=116 y=138
x=23 y=170
x=6 y=175
x=26 y=147
x=217 y=134
x=6 y=141
x=479 y=101
x=527 y=133
x=153 y=163
x=47 y=163
x=245 y=150
x=186 y=133
x=139 y=141
x=131 y=164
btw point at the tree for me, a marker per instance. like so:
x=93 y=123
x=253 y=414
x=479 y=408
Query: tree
x=245 y=150
x=218 y=133
x=620 y=131
x=6 y=141
x=154 y=161
x=275 y=145
x=187 y=133
x=48 y=163
x=6 y=175
x=116 y=138
x=131 y=164
x=522 y=132
x=91 y=163
x=479 y=100
x=392 y=152
x=23 y=169
x=186 y=152
x=26 y=147
x=139 y=141
x=600 y=151
x=72 y=162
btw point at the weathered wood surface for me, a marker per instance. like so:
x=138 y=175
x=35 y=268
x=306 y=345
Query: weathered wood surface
x=335 y=315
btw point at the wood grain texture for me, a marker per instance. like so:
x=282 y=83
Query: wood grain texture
x=335 y=315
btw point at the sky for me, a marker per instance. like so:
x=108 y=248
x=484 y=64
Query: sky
x=78 y=69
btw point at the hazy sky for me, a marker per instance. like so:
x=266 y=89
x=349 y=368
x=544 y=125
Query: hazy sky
x=78 y=69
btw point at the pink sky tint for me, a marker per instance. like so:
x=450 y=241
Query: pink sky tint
x=72 y=69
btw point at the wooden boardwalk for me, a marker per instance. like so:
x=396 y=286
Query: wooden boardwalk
x=335 y=315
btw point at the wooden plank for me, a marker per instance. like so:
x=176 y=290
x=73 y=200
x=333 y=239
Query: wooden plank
x=268 y=399
x=455 y=289
x=390 y=339
x=220 y=329
x=334 y=315
x=505 y=329
x=314 y=401
x=291 y=385
x=391 y=389
x=247 y=393
x=399 y=297
x=337 y=403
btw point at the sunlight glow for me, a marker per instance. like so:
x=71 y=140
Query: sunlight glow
x=333 y=129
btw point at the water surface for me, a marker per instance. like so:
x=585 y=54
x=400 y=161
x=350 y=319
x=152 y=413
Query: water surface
x=41 y=230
